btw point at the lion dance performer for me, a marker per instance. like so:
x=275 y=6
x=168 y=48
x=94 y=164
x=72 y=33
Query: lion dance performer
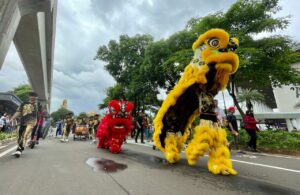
x=115 y=125
x=208 y=73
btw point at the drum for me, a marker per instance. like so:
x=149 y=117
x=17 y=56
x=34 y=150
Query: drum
x=81 y=130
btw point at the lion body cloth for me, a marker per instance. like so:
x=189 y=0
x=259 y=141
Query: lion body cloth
x=115 y=125
x=208 y=73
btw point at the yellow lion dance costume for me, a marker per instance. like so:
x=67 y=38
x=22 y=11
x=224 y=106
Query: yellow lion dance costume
x=207 y=74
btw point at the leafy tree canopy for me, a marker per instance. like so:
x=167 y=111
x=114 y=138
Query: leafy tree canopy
x=59 y=114
x=141 y=65
x=82 y=115
x=22 y=91
x=267 y=58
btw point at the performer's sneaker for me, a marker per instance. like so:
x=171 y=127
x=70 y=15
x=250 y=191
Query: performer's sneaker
x=67 y=140
x=17 y=154
x=62 y=140
x=93 y=141
x=32 y=145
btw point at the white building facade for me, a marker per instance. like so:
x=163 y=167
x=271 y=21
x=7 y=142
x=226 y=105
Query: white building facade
x=286 y=98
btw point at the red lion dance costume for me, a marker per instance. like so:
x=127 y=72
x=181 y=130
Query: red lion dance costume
x=115 y=125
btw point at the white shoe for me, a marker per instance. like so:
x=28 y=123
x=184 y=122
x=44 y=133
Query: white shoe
x=62 y=140
x=17 y=154
x=67 y=140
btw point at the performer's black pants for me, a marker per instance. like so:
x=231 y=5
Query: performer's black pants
x=37 y=130
x=133 y=132
x=68 y=130
x=23 y=133
x=139 y=130
x=253 y=138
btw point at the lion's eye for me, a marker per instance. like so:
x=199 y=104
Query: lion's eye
x=214 y=43
x=112 y=110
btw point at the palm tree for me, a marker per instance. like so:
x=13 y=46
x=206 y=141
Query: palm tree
x=250 y=96
x=297 y=105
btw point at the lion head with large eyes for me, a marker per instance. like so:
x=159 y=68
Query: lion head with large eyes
x=120 y=115
x=217 y=52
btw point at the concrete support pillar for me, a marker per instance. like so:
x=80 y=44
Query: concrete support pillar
x=9 y=20
x=295 y=124
x=289 y=125
x=298 y=123
x=31 y=25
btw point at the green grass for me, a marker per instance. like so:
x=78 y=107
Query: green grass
x=4 y=135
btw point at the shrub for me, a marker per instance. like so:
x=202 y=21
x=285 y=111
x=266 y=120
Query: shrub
x=4 y=135
x=272 y=139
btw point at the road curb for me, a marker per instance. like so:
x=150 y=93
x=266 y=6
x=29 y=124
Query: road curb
x=7 y=141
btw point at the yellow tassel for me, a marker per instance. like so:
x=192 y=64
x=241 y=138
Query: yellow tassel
x=172 y=152
x=219 y=156
x=200 y=143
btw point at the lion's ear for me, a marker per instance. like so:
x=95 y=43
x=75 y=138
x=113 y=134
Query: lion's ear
x=199 y=42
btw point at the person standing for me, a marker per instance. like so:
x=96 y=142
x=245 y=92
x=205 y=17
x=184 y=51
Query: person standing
x=220 y=113
x=96 y=123
x=58 y=128
x=27 y=112
x=69 y=121
x=133 y=132
x=4 y=122
x=140 y=129
x=37 y=129
x=91 y=128
x=1 y=124
x=233 y=127
x=251 y=128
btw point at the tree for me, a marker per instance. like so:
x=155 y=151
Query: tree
x=124 y=58
x=166 y=59
x=264 y=61
x=82 y=115
x=60 y=114
x=124 y=62
x=112 y=93
x=141 y=66
x=250 y=96
x=297 y=105
x=22 y=91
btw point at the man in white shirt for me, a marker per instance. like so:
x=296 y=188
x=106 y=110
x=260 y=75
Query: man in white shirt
x=1 y=124
x=4 y=122
x=220 y=113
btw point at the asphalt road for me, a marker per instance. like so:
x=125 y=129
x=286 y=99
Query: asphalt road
x=78 y=167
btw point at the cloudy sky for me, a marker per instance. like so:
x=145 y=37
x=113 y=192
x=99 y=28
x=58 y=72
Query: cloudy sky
x=84 y=25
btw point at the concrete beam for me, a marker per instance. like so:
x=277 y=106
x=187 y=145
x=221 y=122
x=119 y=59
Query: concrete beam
x=30 y=44
x=31 y=25
x=10 y=16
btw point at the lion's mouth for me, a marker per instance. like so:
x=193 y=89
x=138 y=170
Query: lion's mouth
x=226 y=61
x=119 y=126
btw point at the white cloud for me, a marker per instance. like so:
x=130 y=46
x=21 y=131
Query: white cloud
x=12 y=72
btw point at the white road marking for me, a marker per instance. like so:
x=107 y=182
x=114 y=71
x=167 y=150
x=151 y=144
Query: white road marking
x=246 y=156
x=277 y=156
x=239 y=161
x=2 y=147
x=8 y=151
x=257 y=154
x=268 y=166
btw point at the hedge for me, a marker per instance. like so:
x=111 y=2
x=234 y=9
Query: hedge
x=270 y=139
x=4 y=135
